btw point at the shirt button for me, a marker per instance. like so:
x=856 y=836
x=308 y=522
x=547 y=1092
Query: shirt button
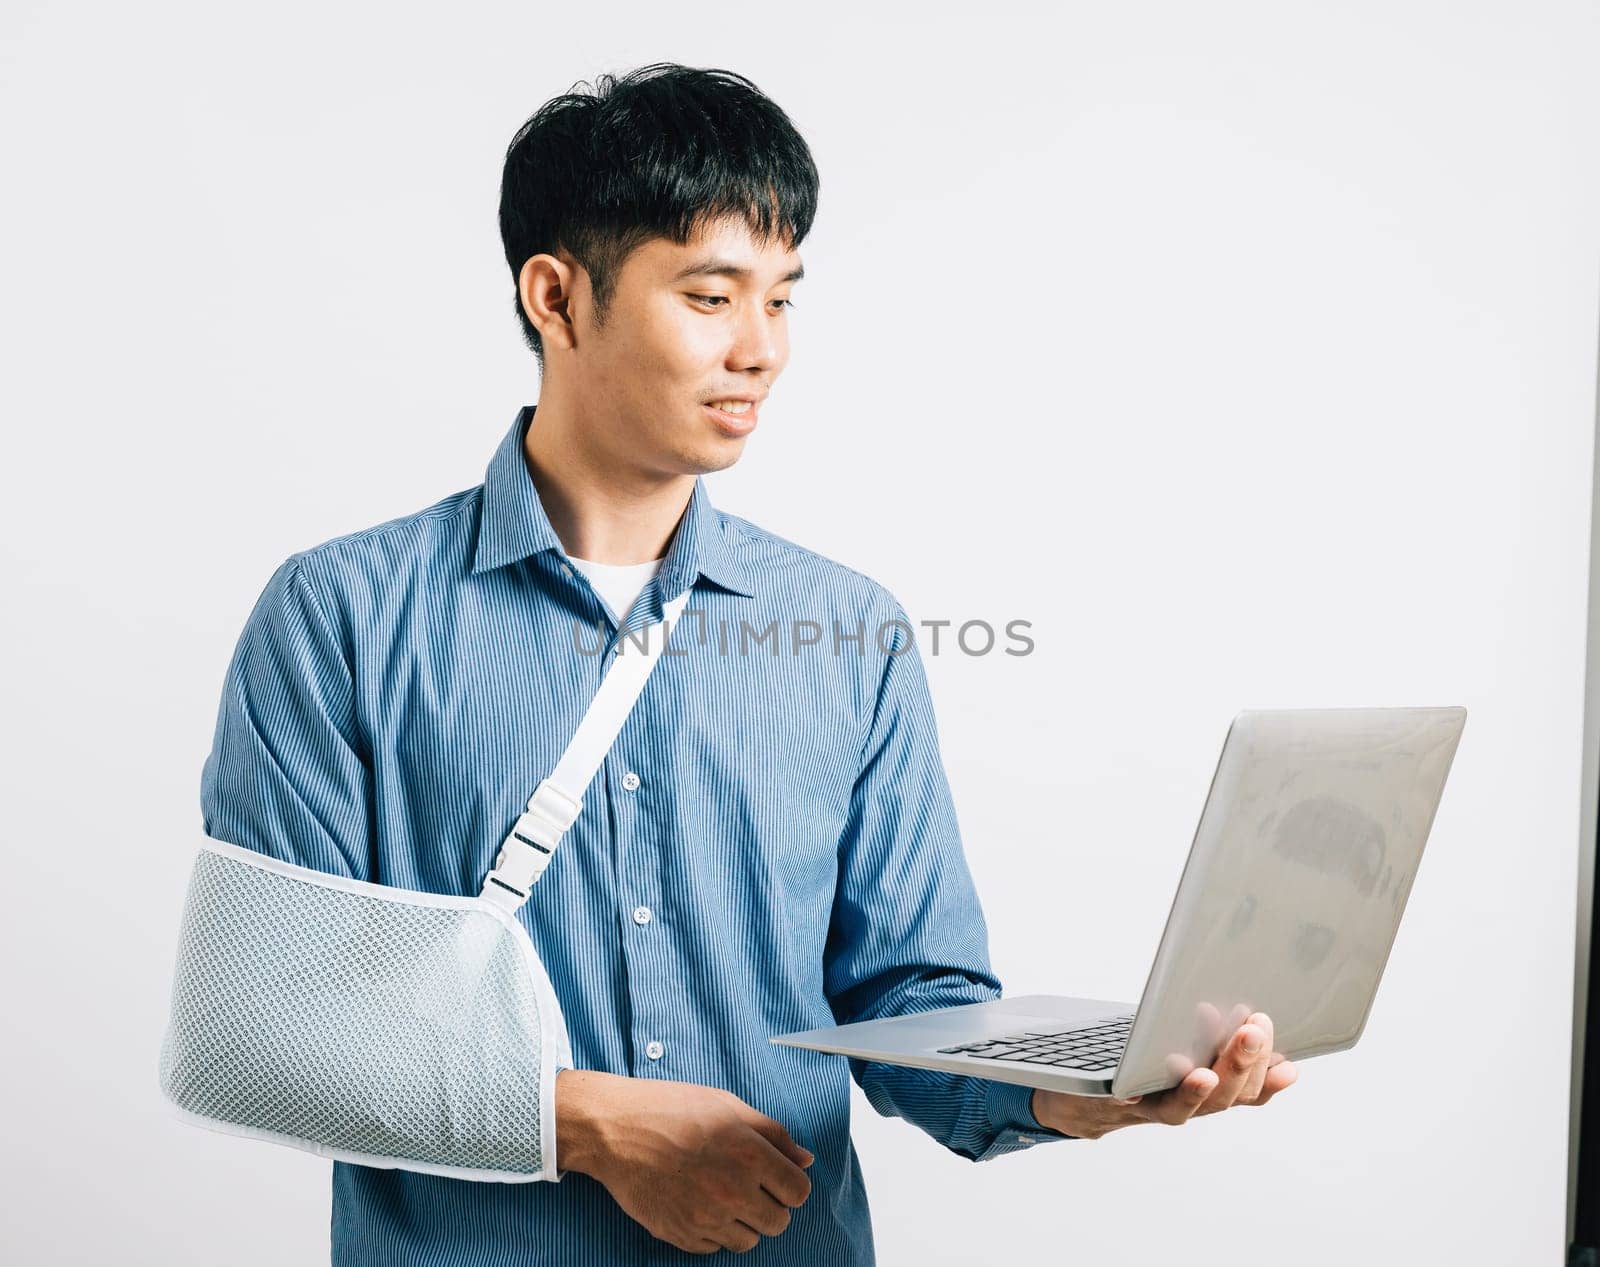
x=630 y=780
x=567 y=568
x=641 y=915
x=654 y=1050
x=1026 y=1139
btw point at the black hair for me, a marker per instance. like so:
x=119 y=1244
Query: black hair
x=659 y=152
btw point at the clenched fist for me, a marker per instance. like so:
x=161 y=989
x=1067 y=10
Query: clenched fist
x=695 y=1166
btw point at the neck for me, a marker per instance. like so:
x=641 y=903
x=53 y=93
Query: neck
x=603 y=510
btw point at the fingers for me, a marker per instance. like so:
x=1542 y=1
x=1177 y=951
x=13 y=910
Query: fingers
x=1250 y=1093
x=783 y=1178
x=785 y=1182
x=739 y=1237
x=1178 y=1104
x=776 y=1134
x=761 y=1216
x=1202 y=1091
x=1282 y=1074
x=1237 y=1063
x=765 y=1215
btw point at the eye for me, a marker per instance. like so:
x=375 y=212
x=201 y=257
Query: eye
x=716 y=301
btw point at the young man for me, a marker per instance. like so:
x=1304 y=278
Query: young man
x=770 y=845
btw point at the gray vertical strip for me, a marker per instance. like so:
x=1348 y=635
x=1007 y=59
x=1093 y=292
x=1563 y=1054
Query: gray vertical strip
x=1586 y=847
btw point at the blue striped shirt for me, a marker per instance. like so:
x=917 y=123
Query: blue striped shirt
x=769 y=846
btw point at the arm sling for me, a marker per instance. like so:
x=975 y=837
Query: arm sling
x=379 y=1025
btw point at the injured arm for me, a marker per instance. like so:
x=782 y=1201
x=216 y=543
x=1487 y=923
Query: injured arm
x=313 y=1009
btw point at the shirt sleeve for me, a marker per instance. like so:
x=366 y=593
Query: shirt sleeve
x=288 y=774
x=907 y=932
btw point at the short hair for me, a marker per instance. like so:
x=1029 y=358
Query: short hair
x=660 y=151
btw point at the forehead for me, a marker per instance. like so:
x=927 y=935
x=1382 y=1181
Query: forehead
x=725 y=249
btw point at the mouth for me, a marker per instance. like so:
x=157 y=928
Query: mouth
x=735 y=417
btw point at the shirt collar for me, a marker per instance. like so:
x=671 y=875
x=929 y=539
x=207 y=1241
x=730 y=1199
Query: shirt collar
x=514 y=526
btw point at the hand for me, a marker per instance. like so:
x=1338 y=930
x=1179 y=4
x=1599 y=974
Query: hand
x=1239 y=1076
x=695 y=1166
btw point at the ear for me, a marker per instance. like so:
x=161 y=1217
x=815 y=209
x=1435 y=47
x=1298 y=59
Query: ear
x=545 y=287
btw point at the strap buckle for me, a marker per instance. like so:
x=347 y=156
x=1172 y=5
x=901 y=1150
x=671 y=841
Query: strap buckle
x=531 y=842
x=550 y=805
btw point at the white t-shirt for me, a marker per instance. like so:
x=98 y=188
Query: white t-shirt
x=618 y=583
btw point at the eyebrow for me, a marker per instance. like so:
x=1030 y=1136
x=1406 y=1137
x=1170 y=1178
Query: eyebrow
x=713 y=266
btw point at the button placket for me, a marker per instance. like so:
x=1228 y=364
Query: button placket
x=626 y=810
x=636 y=879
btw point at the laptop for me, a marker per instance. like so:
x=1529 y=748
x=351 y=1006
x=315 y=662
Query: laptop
x=1288 y=904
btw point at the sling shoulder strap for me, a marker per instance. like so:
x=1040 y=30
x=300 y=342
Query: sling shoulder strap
x=557 y=801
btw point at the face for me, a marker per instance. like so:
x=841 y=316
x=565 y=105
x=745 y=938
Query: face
x=688 y=326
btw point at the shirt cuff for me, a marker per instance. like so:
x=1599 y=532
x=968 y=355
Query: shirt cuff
x=558 y=1174
x=1010 y=1110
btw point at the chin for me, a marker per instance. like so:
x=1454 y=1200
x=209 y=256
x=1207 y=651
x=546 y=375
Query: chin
x=719 y=457
x=714 y=452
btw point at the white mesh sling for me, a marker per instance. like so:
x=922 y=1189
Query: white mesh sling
x=379 y=1025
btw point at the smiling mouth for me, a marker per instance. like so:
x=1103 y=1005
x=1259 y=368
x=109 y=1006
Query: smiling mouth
x=733 y=417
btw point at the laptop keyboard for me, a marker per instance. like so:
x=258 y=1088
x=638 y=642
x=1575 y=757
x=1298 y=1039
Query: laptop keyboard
x=1095 y=1048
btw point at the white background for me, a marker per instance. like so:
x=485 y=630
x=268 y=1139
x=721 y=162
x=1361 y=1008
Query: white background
x=1246 y=350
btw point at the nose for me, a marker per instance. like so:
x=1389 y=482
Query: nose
x=758 y=343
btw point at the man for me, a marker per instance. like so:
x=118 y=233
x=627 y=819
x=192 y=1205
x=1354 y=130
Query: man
x=770 y=845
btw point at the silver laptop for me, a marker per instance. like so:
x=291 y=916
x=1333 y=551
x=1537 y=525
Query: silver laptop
x=1288 y=904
